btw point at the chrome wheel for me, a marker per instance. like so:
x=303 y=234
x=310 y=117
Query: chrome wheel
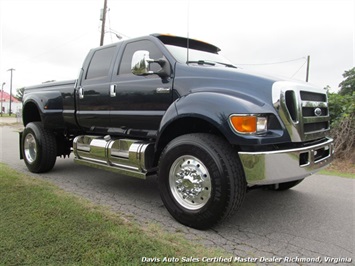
x=30 y=148
x=190 y=182
x=201 y=180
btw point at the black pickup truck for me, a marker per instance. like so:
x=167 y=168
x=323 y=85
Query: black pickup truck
x=173 y=107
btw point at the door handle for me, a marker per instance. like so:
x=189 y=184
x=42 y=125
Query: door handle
x=81 y=93
x=163 y=90
x=113 y=90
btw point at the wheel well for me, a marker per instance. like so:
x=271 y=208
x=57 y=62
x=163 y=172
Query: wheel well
x=184 y=126
x=30 y=113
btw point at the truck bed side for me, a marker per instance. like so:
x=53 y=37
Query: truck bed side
x=51 y=103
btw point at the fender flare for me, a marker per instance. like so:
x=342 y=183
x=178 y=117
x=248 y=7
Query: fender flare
x=214 y=108
x=49 y=105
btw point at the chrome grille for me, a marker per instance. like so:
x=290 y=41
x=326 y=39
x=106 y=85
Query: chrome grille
x=314 y=112
x=303 y=109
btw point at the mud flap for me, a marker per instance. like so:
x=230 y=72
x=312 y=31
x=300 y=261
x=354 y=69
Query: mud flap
x=20 y=144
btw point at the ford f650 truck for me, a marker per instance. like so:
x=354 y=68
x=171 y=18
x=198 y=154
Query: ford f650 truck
x=173 y=107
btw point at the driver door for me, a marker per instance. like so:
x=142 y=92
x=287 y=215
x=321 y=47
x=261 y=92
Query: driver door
x=139 y=102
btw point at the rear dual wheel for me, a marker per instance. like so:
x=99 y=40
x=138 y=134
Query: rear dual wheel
x=201 y=180
x=39 y=148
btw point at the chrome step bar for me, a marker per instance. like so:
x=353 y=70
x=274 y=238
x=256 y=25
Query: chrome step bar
x=123 y=156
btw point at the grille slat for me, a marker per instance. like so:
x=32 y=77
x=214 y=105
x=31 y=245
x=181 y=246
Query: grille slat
x=315 y=127
x=291 y=104
x=314 y=104
x=309 y=111
x=316 y=119
x=312 y=96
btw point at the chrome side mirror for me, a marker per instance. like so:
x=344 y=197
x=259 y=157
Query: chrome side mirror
x=140 y=63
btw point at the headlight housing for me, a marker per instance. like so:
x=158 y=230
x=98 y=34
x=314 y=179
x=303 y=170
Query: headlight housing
x=248 y=124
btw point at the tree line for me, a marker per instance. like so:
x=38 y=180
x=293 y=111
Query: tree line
x=342 y=117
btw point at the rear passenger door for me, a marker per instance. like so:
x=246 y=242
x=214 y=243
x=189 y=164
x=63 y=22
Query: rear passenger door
x=93 y=109
x=140 y=101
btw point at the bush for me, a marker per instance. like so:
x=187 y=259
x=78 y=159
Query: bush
x=342 y=118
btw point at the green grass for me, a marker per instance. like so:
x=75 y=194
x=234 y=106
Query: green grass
x=42 y=225
x=337 y=173
x=7 y=115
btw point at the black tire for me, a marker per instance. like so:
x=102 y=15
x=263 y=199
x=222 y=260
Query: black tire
x=39 y=148
x=201 y=180
x=285 y=186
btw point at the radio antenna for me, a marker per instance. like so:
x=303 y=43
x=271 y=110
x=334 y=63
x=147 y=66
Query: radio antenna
x=188 y=31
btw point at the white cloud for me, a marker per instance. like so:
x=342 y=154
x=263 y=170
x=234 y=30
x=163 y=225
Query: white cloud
x=46 y=40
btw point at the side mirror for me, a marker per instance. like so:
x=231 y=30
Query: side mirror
x=140 y=65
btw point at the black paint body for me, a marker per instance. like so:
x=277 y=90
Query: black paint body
x=204 y=92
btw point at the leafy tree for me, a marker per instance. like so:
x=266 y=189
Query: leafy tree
x=340 y=106
x=342 y=118
x=347 y=86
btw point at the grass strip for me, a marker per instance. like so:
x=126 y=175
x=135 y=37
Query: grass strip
x=337 y=173
x=42 y=225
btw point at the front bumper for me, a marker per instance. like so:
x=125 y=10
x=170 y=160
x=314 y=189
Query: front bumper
x=274 y=167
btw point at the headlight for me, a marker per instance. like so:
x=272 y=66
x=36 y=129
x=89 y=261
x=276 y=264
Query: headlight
x=248 y=124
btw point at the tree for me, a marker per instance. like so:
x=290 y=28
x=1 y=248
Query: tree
x=347 y=86
x=342 y=117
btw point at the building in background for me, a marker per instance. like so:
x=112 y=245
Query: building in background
x=16 y=105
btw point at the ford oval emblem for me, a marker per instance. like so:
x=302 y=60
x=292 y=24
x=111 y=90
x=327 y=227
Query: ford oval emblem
x=318 y=111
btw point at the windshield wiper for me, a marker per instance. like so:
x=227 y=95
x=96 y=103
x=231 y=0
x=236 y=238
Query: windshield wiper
x=210 y=63
x=201 y=62
x=227 y=65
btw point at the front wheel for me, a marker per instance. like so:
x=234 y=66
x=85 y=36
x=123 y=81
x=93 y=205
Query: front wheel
x=39 y=148
x=201 y=180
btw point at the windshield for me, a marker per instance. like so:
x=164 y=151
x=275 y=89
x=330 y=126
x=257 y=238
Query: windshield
x=180 y=54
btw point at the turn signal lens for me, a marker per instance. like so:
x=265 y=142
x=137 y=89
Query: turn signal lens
x=244 y=124
x=248 y=124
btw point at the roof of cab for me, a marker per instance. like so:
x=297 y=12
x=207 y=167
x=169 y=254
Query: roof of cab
x=186 y=42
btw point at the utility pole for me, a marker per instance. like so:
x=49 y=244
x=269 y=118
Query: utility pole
x=11 y=69
x=103 y=23
x=2 y=95
x=308 y=62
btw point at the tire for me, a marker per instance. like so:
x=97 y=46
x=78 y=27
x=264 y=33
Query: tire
x=39 y=148
x=201 y=180
x=285 y=186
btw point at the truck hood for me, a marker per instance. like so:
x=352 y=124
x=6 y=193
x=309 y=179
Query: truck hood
x=232 y=81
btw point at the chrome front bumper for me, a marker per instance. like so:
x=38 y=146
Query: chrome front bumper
x=274 y=167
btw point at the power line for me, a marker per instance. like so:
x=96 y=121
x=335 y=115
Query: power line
x=53 y=48
x=273 y=63
x=299 y=69
x=109 y=22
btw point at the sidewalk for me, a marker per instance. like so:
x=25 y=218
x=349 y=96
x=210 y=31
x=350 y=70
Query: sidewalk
x=10 y=120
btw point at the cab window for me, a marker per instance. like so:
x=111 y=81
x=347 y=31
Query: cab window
x=100 y=63
x=131 y=48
